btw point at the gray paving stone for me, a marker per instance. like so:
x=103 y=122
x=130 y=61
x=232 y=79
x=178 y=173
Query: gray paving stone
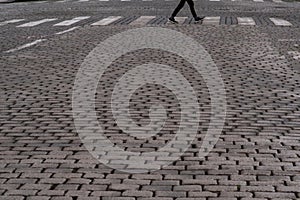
x=12 y=197
x=256 y=157
x=275 y=195
x=135 y=193
x=170 y=194
x=38 y=197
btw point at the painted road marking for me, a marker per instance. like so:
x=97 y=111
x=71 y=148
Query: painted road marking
x=25 y=46
x=66 y=31
x=212 y=20
x=181 y=20
x=280 y=22
x=106 y=21
x=35 y=23
x=71 y=21
x=40 y=2
x=142 y=20
x=246 y=21
x=276 y=1
x=63 y=1
x=11 y=21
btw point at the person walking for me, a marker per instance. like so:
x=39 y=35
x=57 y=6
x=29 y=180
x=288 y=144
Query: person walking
x=180 y=6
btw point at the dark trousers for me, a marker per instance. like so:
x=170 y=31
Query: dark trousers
x=180 y=6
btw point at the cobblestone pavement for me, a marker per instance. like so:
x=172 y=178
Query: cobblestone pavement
x=257 y=156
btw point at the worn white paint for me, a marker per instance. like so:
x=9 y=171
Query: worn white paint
x=35 y=23
x=246 y=21
x=212 y=20
x=66 y=31
x=280 y=22
x=71 y=21
x=11 y=21
x=25 y=46
x=143 y=20
x=107 y=21
x=181 y=20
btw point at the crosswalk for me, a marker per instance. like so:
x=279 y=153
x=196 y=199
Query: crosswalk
x=11 y=21
x=246 y=21
x=142 y=20
x=71 y=21
x=280 y=22
x=106 y=21
x=68 y=25
x=212 y=20
x=35 y=23
x=254 y=1
x=83 y=1
x=257 y=1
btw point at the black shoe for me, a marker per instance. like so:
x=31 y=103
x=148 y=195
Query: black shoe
x=172 y=19
x=197 y=19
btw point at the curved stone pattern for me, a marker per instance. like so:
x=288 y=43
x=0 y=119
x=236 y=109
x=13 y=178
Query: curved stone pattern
x=256 y=157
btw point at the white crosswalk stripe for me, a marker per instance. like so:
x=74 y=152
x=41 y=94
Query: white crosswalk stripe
x=66 y=31
x=71 y=21
x=107 y=21
x=181 y=20
x=25 y=46
x=41 y=2
x=11 y=21
x=280 y=22
x=211 y=20
x=142 y=20
x=275 y=1
x=35 y=23
x=246 y=21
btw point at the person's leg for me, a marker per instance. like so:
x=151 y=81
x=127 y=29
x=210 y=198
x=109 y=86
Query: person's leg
x=178 y=8
x=192 y=8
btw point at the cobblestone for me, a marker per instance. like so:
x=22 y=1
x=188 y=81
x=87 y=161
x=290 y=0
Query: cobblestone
x=256 y=157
